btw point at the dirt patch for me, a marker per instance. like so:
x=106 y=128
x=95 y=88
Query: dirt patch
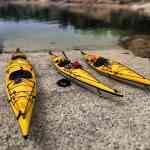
x=138 y=44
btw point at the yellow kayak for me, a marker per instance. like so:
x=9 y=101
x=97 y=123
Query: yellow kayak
x=114 y=69
x=77 y=73
x=21 y=89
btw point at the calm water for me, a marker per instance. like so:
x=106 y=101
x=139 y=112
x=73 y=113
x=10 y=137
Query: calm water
x=43 y=28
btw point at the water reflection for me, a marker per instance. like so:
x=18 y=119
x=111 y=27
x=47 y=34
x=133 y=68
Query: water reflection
x=122 y=20
x=35 y=28
x=18 y=13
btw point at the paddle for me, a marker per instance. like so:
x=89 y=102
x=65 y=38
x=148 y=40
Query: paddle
x=65 y=55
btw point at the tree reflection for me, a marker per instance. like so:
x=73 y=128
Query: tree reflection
x=121 y=20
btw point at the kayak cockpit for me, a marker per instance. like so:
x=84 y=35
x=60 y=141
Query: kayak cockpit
x=101 y=61
x=20 y=74
x=68 y=64
x=64 y=62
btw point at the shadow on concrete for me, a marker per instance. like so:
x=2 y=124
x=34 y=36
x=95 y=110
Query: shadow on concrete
x=40 y=133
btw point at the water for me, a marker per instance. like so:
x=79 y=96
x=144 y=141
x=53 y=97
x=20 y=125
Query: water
x=33 y=28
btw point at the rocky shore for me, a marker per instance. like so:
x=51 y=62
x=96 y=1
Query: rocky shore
x=94 y=8
x=138 y=44
x=72 y=118
x=100 y=8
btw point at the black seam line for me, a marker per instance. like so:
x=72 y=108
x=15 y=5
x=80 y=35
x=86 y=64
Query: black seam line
x=121 y=74
x=23 y=84
x=20 y=92
x=9 y=89
x=20 y=68
x=19 y=115
x=98 y=88
x=119 y=77
x=122 y=68
x=14 y=83
x=29 y=99
x=19 y=97
x=14 y=101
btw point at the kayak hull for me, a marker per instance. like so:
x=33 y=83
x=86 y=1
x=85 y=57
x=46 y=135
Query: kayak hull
x=21 y=85
x=90 y=88
x=121 y=80
x=124 y=74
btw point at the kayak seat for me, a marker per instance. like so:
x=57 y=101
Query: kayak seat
x=101 y=61
x=76 y=65
x=64 y=62
x=93 y=58
x=17 y=75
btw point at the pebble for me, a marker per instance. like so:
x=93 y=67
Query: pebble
x=75 y=119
